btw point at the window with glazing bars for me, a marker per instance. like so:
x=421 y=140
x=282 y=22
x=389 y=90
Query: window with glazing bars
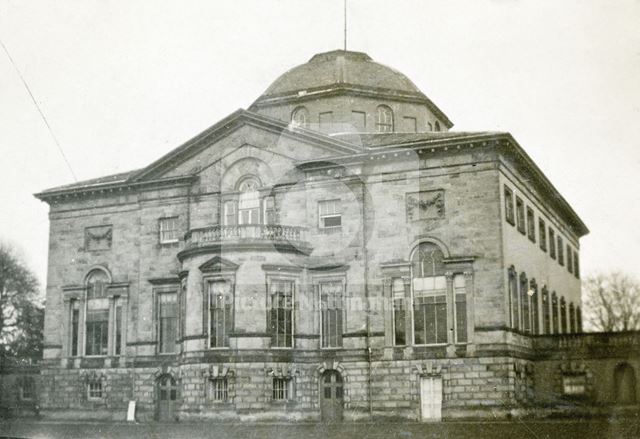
x=460 y=297
x=168 y=229
x=329 y=214
x=219 y=389
x=399 y=312
x=220 y=313
x=331 y=306
x=281 y=390
x=167 y=322
x=280 y=316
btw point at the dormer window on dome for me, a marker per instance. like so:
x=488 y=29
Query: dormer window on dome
x=384 y=120
x=300 y=117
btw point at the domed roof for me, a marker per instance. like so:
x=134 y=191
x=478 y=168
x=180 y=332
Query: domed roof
x=341 y=67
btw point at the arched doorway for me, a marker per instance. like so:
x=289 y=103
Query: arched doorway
x=167 y=395
x=624 y=378
x=331 y=396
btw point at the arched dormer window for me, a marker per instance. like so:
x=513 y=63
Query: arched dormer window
x=437 y=126
x=429 y=288
x=300 y=117
x=384 y=121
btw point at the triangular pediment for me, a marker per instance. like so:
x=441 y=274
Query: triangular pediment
x=210 y=145
x=218 y=264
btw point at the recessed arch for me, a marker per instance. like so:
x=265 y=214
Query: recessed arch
x=300 y=117
x=429 y=239
x=624 y=378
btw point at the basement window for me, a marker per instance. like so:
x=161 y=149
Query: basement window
x=574 y=385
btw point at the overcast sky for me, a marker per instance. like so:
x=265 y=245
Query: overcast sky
x=124 y=82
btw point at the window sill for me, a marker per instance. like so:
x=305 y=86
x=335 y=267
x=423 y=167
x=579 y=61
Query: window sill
x=330 y=230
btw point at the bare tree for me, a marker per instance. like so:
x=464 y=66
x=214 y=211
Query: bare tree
x=611 y=302
x=21 y=310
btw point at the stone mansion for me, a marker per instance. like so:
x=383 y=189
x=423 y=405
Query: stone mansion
x=333 y=252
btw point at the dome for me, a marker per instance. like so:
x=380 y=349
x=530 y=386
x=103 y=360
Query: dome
x=341 y=67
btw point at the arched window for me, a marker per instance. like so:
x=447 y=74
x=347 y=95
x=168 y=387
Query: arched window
x=546 y=316
x=563 y=315
x=249 y=201
x=300 y=117
x=524 y=303
x=97 y=314
x=96 y=284
x=430 y=125
x=429 y=295
x=384 y=123
x=554 y=313
x=437 y=126
x=513 y=297
x=535 y=322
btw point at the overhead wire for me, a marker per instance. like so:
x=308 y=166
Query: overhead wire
x=35 y=102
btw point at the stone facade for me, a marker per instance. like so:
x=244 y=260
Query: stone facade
x=273 y=269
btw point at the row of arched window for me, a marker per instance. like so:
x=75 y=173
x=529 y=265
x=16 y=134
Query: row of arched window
x=536 y=312
x=385 y=120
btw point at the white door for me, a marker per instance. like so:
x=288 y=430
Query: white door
x=431 y=398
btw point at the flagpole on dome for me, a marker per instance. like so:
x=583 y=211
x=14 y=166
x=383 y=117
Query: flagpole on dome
x=345 y=25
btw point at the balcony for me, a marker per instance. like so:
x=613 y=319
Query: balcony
x=248 y=237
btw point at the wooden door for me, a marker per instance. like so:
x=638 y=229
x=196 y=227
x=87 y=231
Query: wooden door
x=167 y=396
x=332 y=391
x=431 y=398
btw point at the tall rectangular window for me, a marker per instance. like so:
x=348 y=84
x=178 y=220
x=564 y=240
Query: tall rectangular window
x=220 y=313
x=97 y=333
x=430 y=310
x=563 y=316
x=460 y=297
x=560 y=248
x=330 y=214
x=542 y=234
x=280 y=315
x=508 y=206
x=524 y=303
x=168 y=228
x=514 y=304
x=399 y=312
x=331 y=306
x=569 y=259
x=269 y=204
x=576 y=265
x=167 y=322
x=531 y=225
x=75 y=327
x=520 y=216
x=117 y=330
x=554 y=313
x=552 y=243
x=535 y=323
x=230 y=216
x=546 y=317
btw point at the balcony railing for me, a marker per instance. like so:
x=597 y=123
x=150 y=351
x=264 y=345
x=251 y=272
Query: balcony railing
x=219 y=234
